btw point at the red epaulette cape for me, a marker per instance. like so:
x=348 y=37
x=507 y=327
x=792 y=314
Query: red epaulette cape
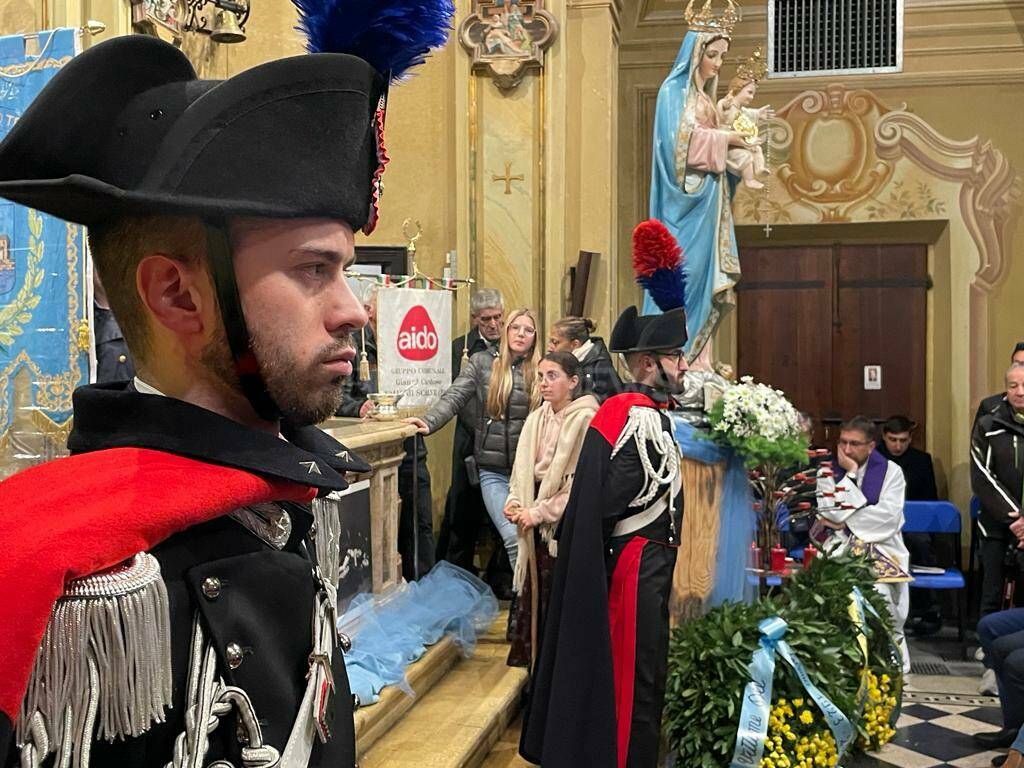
x=570 y=719
x=75 y=516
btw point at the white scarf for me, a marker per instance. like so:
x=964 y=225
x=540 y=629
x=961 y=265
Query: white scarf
x=559 y=476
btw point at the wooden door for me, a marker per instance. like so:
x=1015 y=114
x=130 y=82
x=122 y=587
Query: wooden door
x=785 y=331
x=810 y=319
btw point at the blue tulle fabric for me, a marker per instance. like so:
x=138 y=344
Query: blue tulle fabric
x=392 y=630
x=736 y=516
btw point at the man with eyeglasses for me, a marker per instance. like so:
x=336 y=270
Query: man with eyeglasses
x=599 y=683
x=860 y=507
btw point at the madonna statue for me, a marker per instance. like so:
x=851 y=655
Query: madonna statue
x=691 y=190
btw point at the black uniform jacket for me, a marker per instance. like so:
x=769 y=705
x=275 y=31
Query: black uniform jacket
x=570 y=718
x=266 y=597
x=997 y=456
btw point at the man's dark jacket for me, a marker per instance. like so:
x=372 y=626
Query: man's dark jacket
x=997 y=456
x=919 y=473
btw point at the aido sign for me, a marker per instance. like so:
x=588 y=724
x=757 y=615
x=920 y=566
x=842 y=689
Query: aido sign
x=414 y=342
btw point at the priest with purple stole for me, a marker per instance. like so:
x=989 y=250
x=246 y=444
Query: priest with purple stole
x=860 y=508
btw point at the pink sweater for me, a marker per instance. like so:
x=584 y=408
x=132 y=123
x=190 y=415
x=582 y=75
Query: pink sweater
x=548 y=510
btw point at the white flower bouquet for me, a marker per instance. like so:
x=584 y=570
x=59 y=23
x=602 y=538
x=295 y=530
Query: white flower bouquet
x=760 y=424
x=764 y=428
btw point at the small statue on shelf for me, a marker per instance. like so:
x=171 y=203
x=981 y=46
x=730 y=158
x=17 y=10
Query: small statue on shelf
x=735 y=111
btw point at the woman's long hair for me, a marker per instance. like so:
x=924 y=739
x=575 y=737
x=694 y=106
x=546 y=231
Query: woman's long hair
x=501 y=370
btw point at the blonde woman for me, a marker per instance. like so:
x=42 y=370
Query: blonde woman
x=539 y=490
x=507 y=387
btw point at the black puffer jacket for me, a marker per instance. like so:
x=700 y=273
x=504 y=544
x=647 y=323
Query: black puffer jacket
x=496 y=440
x=597 y=374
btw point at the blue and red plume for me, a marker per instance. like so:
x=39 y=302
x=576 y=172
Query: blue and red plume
x=658 y=264
x=391 y=35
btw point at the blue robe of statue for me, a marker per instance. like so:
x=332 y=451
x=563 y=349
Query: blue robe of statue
x=694 y=205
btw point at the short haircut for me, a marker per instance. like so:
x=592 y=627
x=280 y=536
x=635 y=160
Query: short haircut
x=574 y=328
x=485 y=298
x=1019 y=347
x=1013 y=367
x=564 y=360
x=860 y=424
x=119 y=246
x=894 y=425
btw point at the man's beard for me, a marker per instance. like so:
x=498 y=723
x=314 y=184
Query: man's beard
x=301 y=394
x=665 y=383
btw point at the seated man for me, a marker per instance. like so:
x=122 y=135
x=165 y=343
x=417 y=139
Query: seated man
x=866 y=516
x=918 y=471
x=1015 y=757
x=1002 y=638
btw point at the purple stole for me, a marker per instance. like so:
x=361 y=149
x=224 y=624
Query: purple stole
x=874 y=476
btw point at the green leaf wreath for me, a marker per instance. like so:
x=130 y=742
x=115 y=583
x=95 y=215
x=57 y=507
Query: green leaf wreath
x=708 y=658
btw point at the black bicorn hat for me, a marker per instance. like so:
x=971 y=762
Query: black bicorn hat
x=127 y=128
x=634 y=332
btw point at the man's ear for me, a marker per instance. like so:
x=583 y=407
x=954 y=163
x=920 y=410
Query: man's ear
x=169 y=291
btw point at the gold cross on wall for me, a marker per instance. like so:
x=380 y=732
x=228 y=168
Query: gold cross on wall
x=508 y=178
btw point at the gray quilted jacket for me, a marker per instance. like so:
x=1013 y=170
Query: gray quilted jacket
x=496 y=439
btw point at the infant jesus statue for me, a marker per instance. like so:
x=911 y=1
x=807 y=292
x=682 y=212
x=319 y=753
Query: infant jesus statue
x=735 y=111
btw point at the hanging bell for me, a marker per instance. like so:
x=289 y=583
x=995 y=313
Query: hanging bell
x=226 y=28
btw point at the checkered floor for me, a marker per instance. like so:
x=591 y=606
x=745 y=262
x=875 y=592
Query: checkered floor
x=942 y=710
x=935 y=730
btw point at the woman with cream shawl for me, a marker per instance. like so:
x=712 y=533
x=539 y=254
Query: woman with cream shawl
x=545 y=463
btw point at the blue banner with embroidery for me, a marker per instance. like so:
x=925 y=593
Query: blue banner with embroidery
x=44 y=340
x=757 y=697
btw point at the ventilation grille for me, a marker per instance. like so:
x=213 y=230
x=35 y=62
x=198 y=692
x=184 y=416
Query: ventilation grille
x=818 y=37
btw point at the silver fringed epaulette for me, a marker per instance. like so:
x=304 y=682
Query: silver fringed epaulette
x=103 y=669
x=644 y=426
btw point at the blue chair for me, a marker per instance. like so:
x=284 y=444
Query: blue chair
x=939 y=517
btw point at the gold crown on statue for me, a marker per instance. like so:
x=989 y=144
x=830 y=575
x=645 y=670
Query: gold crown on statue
x=754 y=68
x=705 y=20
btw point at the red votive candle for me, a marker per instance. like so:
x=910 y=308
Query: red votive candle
x=810 y=553
x=778 y=559
x=755 y=555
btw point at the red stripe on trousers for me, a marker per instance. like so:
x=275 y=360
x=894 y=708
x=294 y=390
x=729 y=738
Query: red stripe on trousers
x=622 y=620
